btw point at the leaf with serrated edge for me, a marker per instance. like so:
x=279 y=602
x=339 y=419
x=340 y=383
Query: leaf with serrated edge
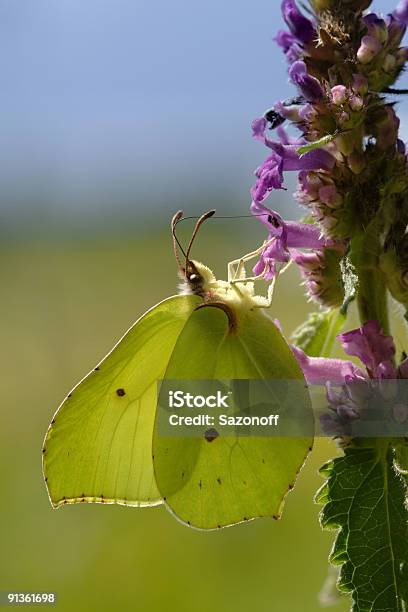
x=365 y=498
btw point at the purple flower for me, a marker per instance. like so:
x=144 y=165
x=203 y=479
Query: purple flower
x=285 y=158
x=284 y=238
x=387 y=127
x=339 y=94
x=301 y=27
x=317 y=159
x=258 y=128
x=376 y=27
x=369 y=48
x=374 y=349
x=318 y=370
x=308 y=85
x=360 y=84
x=397 y=27
x=290 y=46
x=269 y=176
x=401 y=12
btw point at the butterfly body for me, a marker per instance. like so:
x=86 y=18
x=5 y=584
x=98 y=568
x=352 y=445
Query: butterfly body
x=238 y=296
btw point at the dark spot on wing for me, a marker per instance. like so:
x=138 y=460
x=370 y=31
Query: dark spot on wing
x=120 y=392
x=182 y=474
x=219 y=480
x=211 y=435
x=96 y=369
x=200 y=484
x=43 y=450
x=69 y=395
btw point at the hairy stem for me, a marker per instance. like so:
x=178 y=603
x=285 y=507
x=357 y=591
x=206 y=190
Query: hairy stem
x=372 y=298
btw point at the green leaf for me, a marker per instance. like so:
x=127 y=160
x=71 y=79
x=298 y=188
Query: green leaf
x=317 y=143
x=232 y=478
x=317 y=335
x=365 y=498
x=98 y=447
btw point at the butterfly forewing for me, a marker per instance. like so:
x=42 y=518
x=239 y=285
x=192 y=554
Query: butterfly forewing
x=99 y=445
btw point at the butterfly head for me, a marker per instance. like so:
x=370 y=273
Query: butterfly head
x=196 y=277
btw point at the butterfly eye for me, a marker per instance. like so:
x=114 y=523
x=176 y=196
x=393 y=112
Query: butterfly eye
x=193 y=277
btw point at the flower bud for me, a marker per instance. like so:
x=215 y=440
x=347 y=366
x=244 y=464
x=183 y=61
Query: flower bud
x=301 y=27
x=356 y=103
x=396 y=31
x=308 y=113
x=360 y=84
x=386 y=128
x=330 y=196
x=401 y=12
x=376 y=27
x=308 y=187
x=343 y=118
x=339 y=95
x=390 y=63
x=321 y=273
x=308 y=85
x=369 y=48
x=402 y=56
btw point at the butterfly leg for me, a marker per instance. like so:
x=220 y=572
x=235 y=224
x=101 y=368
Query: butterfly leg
x=236 y=268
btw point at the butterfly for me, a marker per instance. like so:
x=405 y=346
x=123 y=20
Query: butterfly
x=104 y=444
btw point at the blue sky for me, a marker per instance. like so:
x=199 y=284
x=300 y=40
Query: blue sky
x=123 y=102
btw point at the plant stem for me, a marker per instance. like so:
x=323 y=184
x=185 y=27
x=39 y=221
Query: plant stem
x=372 y=298
x=372 y=290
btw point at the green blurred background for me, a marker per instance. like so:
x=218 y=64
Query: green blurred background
x=114 y=114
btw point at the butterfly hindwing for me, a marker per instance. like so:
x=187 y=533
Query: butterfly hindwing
x=226 y=480
x=98 y=447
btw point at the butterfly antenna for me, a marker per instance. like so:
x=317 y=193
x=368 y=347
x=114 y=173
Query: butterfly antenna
x=176 y=218
x=199 y=223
